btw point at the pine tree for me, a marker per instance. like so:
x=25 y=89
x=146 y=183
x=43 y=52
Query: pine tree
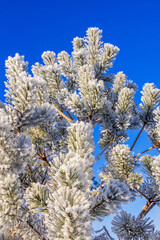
x=47 y=187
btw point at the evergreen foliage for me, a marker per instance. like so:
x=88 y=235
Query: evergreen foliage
x=47 y=187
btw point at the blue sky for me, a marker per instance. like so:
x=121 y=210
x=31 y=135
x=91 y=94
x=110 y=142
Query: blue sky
x=31 y=27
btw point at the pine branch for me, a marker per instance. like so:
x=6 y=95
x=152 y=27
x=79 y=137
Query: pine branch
x=144 y=124
x=90 y=60
x=44 y=158
x=156 y=201
x=36 y=134
x=96 y=192
x=90 y=120
x=41 y=156
x=105 y=229
x=149 y=208
x=97 y=121
x=141 y=193
x=98 y=205
x=35 y=230
x=49 y=187
x=93 y=60
x=29 y=169
x=19 y=131
x=100 y=154
x=139 y=154
x=144 y=210
x=69 y=114
x=149 y=205
x=62 y=114
x=59 y=110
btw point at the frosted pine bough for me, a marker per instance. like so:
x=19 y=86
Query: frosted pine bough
x=47 y=186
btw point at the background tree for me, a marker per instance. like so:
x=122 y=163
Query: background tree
x=47 y=185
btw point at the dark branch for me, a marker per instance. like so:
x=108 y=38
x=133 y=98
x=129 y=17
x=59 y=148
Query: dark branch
x=144 y=124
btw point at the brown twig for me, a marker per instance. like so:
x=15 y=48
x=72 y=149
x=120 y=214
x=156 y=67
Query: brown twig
x=49 y=187
x=144 y=124
x=105 y=229
x=96 y=192
x=100 y=154
x=19 y=131
x=62 y=114
x=141 y=193
x=59 y=90
x=36 y=134
x=96 y=121
x=90 y=119
x=44 y=158
x=29 y=170
x=41 y=156
x=149 y=205
x=69 y=114
x=35 y=230
x=139 y=154
x=98 y=204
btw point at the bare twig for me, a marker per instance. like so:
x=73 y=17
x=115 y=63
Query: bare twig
x=41 y=156
x=156 y=200
x=141 y=193
x=98 y=205
x=19 y=131
x=100 y=154
x=44 y=158
x=96 y=121
x=105 y=229
x=35 y=230
x=29 y=169
x=96 y=192
x=62 y=114
x=90 y=119
x=144 y=124
x=36 y=134
x=69 y=114
x=149 y=205
x=49 y=187
x=139 y=154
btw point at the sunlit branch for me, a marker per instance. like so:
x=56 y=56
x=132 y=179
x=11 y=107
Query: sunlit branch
x=35 y=230
x=139 y=154
x=141 y=193
x=105 y=229
x=62 y=114
x=149 y=205
x=144 y=124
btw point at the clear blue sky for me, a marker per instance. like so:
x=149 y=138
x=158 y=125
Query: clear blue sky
x=31 y=27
